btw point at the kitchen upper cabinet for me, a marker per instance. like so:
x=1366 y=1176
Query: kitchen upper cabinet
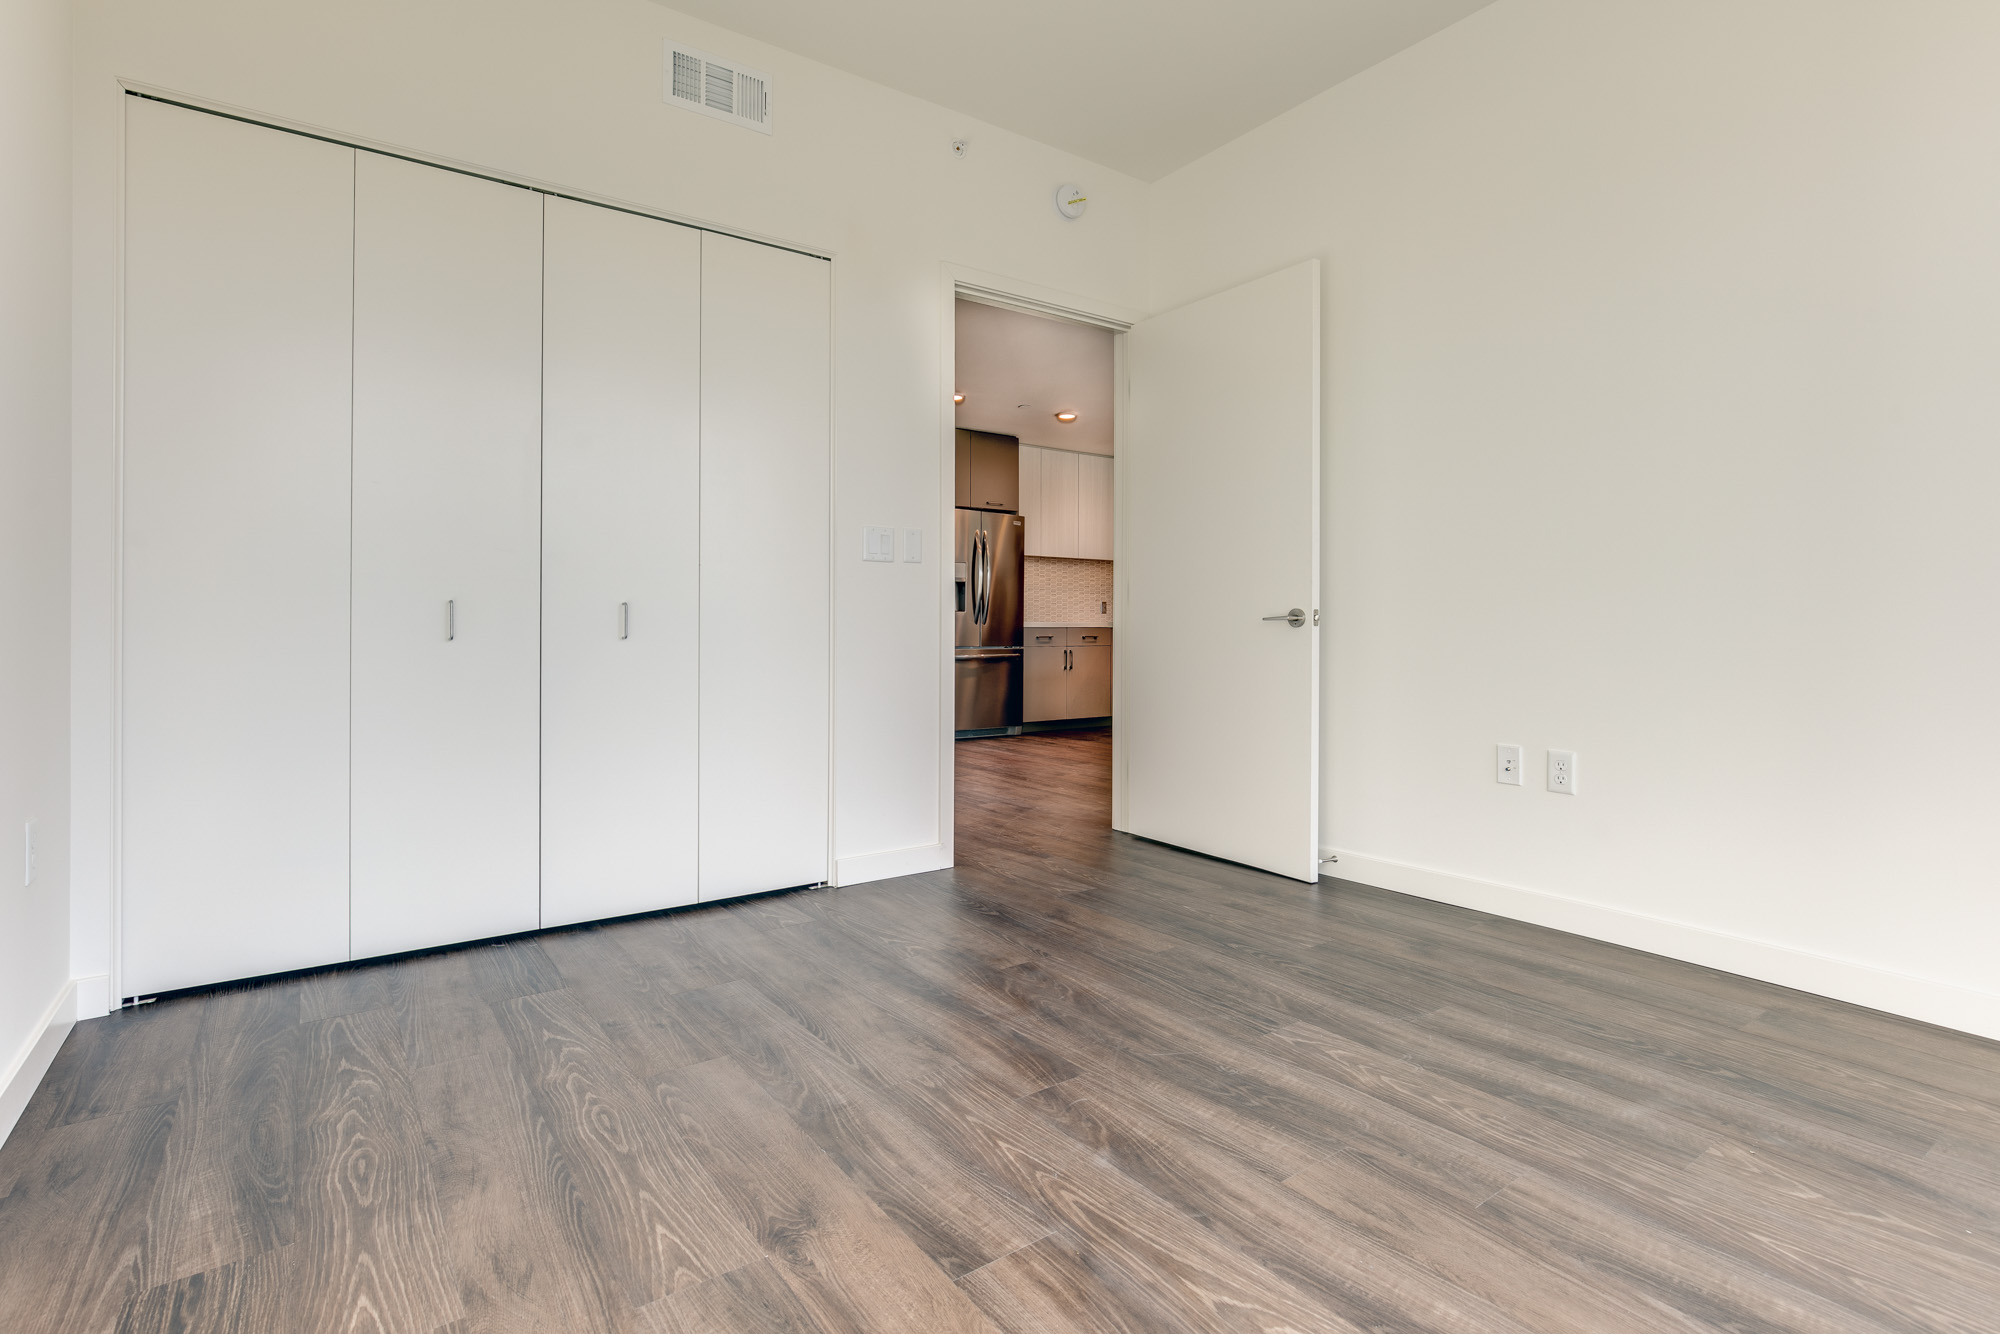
x=1094 y=506
x=447 y=556
x=239 y=250
x=988 y=472
x=1059 y=495
x=1067 y=500
x=1031 y=497
x=621 y=524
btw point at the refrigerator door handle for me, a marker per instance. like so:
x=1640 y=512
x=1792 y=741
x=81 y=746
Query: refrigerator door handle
x=982 y=575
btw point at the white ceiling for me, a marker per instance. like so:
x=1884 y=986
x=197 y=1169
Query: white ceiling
x=1018 y=371
x=1144 y=86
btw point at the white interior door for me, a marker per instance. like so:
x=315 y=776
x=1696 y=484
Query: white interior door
x=621 y=516
x=239 y=254
x=447 y=503
x=1219 y=718
x=766 y=459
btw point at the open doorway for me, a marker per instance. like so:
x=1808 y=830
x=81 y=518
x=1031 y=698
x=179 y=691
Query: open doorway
x=1033 y=565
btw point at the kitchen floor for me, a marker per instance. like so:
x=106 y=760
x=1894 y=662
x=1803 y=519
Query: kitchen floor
x=1082 y=1082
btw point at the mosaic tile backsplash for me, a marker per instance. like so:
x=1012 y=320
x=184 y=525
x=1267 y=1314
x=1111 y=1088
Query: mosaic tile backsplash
x=1066 y=592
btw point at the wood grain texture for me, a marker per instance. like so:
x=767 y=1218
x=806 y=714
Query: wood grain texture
x=371 y=1242
x=643 y=1210
x=1079 y=1083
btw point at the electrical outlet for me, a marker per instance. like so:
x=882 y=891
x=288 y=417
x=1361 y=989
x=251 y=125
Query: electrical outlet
x=1507 y=765
x=28 y=857
x=1562 y=772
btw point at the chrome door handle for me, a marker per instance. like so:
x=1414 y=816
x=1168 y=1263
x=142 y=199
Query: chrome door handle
x=624 y=620
x=450 y=619
x=1295 y=618
x=979 y=576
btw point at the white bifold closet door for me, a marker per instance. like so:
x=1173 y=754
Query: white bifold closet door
x=447 y=502
x=621 y=516
x=234 y=774
x=766 y=425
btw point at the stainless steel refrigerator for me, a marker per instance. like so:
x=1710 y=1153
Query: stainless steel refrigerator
x=988 y=583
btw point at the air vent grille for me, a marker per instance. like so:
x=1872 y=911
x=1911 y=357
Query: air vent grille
x=722 y=89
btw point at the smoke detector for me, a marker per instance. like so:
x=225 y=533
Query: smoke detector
x=698 y=81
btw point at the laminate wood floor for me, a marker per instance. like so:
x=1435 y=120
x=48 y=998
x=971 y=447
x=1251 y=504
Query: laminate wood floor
x=1080 y=1083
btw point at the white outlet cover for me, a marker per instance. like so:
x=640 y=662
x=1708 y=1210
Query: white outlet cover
x=913 y=546
x=1507 y=765
x=878 y=543
x=1562 y=772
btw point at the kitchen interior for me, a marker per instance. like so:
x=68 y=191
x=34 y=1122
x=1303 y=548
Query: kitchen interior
x=1035 y=500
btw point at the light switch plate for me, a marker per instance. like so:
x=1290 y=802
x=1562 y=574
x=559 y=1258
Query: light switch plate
x=913 y=546
x=1562 y=772
x=878 y=543
x=1507 y=765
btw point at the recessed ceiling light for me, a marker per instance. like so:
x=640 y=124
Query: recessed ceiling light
x=1065 y=416
x=958 y=398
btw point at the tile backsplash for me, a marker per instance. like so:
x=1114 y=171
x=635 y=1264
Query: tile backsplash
x=1067 y=592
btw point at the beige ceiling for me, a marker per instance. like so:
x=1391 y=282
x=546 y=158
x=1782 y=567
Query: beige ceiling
x=1144 y=86
x=1018 y=371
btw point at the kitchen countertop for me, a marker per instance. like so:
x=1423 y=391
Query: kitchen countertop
x=1064 y=625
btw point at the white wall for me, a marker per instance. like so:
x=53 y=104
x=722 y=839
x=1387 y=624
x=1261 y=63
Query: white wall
x=1663 y=424
x=34 y=533
x=568 y=94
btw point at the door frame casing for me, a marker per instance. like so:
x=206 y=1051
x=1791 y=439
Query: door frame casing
x=960 y=282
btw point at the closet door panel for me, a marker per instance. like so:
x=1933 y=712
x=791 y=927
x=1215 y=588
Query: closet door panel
x=1093 y=506
x=447 y=498
x=621 y=474
x=765 y=487
x=239 y=247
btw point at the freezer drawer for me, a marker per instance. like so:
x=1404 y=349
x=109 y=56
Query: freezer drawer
x=988 y=691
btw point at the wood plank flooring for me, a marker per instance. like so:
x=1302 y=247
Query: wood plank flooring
x=1080 y=1083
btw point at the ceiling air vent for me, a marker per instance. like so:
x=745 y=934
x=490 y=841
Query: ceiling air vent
x=720 y=88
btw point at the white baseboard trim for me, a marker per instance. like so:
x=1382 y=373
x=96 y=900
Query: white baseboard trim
x=24 y=1073
x=1928 y=999
x=888 y=865
x=93 y=996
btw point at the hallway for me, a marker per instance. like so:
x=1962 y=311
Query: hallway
x=1080 y=1083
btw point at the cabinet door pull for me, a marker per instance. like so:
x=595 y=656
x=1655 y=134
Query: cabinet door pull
x=450 y=619
x=624 y=620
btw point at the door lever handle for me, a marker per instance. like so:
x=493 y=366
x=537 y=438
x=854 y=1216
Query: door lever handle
x=1295 y=618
